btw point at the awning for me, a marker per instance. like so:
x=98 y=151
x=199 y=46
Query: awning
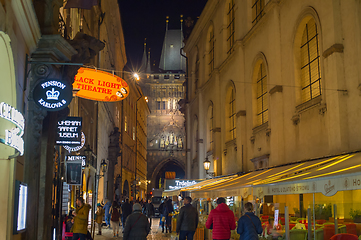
x=302 y=177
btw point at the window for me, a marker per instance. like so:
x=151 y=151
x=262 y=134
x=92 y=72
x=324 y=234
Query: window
x=232 y=114
x=158 y=105
x=166 y=76
x=196 y=74
x=310 y=63
x=211 y=51
x=257 y=10
x=262 y=96
x=156 y=76
x=163 y=105
x=230 y=26
x=176 y=76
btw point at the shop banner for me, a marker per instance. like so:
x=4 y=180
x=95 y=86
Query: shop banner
x=73 y=172
x=328 y=187
x=69 y=132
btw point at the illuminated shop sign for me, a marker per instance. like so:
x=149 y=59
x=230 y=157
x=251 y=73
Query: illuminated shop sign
x=52 y=95
x=77 y=147
x=177 y=184
x=69 y=132
x=100 y=86
x=13 y=137
x=76 y=158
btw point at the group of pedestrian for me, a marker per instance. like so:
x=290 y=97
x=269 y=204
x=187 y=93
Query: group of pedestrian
x=221 y=220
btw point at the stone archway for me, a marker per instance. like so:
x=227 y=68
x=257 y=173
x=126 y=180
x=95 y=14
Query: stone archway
x=161 y=165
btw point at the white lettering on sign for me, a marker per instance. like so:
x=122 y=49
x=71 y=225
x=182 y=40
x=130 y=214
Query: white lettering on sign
x=75 y=158
x=10 y=113
x=75 y=149
x=13 y=137
x=180 y=184
x=14 y=140
x=54 y=84
x=51 y=105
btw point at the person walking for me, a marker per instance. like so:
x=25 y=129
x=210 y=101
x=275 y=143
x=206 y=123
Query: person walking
x=221 y=220
x=167 y=213
x=106 y=208
x=99 y=218
x=249 y=225
x=114 y=218
x=162 y=217
x=80 y=220
x=187 y=221
x=149 y=211
x=126 y=211
x=137 y=226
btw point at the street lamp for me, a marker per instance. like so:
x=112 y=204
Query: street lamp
x=207 y=165
x=136 y=76
x=103 y=168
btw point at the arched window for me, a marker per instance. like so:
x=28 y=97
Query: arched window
x=231 y=114
x=310 y=62
x=262 y=95
x=211 y=50
x=257 y=10
x=210 y=128
x=230 y=26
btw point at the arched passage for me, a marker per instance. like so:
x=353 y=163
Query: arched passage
x=167 y=165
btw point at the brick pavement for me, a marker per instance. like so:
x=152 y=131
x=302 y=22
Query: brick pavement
x=155 y=233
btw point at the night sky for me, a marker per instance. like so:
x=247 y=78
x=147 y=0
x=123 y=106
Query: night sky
x=146 y=19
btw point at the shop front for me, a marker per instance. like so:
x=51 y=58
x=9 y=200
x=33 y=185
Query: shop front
x=324 y=192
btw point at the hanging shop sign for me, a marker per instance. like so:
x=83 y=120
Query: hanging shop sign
x=13 y=137
x=20 y=206
x=73 y=172
x=81 y=158
x=69 y=132
x=172 y=184
x=77 y=147
x=52 y=94
x=100 y=86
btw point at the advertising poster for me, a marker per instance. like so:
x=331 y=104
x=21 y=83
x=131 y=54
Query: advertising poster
x=69 y=132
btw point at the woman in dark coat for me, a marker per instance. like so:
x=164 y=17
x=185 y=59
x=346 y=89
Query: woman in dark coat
x=168 y=210
x=137 y=226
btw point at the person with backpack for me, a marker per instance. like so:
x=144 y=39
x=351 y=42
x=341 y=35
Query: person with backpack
x=137 y=226
x=115 y=217
x=249 y=225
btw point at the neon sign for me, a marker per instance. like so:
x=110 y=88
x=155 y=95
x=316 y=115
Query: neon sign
x=13 y=137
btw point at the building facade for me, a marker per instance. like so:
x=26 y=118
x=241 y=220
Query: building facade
x=272 y=82
x=166 y=130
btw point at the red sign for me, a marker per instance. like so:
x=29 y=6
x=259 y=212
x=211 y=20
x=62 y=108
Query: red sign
x=100 y=86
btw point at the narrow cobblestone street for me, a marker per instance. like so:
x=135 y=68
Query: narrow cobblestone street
x=155 y=233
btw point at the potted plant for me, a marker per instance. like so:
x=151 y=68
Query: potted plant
x=355 y=215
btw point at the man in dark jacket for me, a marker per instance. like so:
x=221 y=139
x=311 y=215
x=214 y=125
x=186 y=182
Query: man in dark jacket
x=136 y=226
x=187 y=221
x=126 y=211
x=149 y=211
x=249 y=225
x=222 y=219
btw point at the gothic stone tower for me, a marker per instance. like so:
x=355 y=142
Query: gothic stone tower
x=166 y=128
